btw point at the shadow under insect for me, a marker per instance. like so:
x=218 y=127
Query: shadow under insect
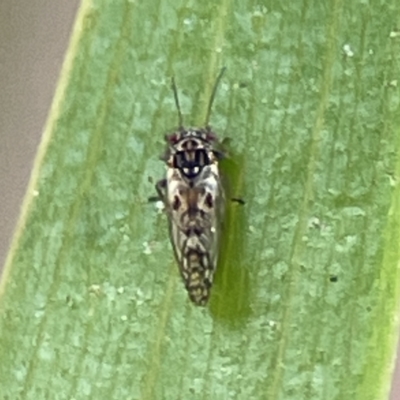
x=231 y=297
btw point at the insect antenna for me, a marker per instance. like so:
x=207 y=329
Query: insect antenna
x=178 y=107
x=214 y=91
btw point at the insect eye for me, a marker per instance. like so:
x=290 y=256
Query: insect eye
x=173 y=139
x=210 y=137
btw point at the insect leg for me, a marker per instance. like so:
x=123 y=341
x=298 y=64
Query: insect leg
x=220 y=155
x=153 y=199
x=238 y=200
x=161 y=187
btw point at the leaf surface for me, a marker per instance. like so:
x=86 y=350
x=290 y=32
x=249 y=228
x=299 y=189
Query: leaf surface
x=305 y=302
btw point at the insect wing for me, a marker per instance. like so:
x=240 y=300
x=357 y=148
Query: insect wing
x=195 y=216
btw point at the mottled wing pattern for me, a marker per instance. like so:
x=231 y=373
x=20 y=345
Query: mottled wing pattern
x=195 y=214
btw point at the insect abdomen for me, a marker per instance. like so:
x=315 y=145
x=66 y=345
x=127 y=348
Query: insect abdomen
x=197 y=272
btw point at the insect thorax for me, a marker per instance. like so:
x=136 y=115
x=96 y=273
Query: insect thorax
x=191 y=150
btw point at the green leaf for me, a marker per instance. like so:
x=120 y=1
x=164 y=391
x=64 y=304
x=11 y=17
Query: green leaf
x=306 y=297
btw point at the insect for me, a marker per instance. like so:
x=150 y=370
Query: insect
x=194 y=200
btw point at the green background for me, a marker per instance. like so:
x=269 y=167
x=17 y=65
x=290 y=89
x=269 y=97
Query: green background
x=307 y=289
